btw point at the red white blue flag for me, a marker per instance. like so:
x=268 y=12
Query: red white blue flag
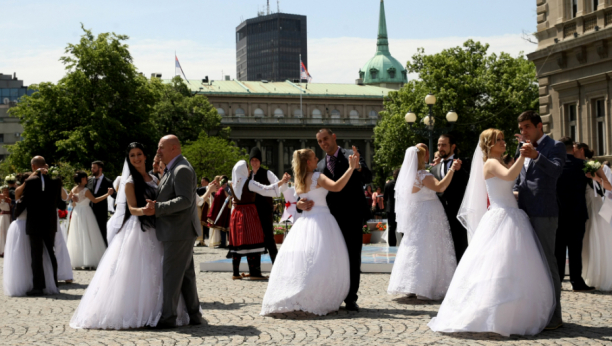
x=304 y=73
x=178 y=70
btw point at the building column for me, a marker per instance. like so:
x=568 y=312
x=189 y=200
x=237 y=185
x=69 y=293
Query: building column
x=347 y=144
x=258 y=143
x=281 y=164
x=303 y=143
x=368 y=153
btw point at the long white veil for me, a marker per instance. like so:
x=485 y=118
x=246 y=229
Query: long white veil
x=116 y=221
x=403 y=188
x=474 y=204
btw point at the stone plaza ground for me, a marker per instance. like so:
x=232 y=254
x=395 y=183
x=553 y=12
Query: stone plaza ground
x=232 y=310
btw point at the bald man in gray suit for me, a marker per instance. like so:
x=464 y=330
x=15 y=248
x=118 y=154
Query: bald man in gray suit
x=177 y=226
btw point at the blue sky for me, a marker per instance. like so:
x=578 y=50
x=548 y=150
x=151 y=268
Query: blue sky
x=341 y=33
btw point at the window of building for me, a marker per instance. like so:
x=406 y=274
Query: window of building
x=267 y=156
x=287 y=154
x=374 y=73
x=239 y=112
x=298 y=113
x=391 y=71
x=221 y=111
x=354 y=115
x=258 y=113
x=278 y=113
x=316 y=116
x=595 y=5
x=574 y=8
x=600 y=119
x=571 y=116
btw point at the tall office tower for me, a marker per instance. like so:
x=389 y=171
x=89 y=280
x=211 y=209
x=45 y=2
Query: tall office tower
x=268 y=47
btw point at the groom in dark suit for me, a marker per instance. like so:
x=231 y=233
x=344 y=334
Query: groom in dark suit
x=536 y=187
x=347 y=206
x=452 y=197
x=573 y=214
x=42 y=197
x=98 y=184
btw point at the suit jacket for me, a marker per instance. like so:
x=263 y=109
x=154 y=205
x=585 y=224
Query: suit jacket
x=351 y=200
x=452 y=197
x=389 y=196
x=537 y=185
x=102 y=207
x=176 y=213
x=42 y=205
x=571 y=190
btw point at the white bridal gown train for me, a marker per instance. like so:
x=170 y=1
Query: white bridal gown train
x=502 y=284
x=311 y=271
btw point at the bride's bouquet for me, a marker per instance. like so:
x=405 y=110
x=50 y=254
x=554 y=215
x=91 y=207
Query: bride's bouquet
x=591 y=166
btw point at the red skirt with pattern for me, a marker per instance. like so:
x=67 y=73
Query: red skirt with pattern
x=245 y=230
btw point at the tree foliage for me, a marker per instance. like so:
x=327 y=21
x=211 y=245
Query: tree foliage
x=101 y=105
x=182 y=113
x=211 y=156
x=486 y=90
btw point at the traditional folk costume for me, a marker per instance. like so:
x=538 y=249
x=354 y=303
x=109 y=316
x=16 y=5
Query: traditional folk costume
x=246 y=234
x=219 y=224
x=265 y=205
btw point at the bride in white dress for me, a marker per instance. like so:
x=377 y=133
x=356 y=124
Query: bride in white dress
x=311 y=271
x=425 y=261
x=85 y=243
x=126 y=290
x=597 y=244
x=502 y=284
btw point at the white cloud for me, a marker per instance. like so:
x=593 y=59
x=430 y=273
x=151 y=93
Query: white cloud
x=331 y=60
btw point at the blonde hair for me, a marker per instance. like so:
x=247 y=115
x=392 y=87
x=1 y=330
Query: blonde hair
x=300 y=169
x=421 y=157
x=488 y=139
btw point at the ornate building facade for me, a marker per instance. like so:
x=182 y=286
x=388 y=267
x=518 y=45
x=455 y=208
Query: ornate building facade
x=574 y=70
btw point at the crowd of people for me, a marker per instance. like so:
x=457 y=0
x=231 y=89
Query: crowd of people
x=489 y=240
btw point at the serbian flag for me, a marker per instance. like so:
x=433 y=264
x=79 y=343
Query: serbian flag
x=304 y=73
x=178 y=70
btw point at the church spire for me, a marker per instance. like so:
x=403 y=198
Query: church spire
x=382 y=43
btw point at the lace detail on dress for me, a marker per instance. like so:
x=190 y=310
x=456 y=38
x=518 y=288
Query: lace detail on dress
x=421 y=175
x=314 y=178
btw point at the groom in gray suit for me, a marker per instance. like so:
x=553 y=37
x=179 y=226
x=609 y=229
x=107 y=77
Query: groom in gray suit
x=177 y=226
x=537 y=192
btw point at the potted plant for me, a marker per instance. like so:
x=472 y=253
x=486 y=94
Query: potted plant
x=279 y=234
x=367 y=236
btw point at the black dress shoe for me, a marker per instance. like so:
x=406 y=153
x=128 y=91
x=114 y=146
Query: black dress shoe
x=351 y=306
x=35 y=293
x=162 y=325
x=197 y=320
x=582 y=288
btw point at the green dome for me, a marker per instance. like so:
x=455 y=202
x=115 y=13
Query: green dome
x=383 y=68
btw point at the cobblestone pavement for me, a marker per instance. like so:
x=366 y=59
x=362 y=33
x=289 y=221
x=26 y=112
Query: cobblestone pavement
x=232 y=309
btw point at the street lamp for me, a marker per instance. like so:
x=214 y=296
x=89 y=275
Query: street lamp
x=429 y=121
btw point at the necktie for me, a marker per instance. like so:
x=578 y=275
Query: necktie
x=446 y=162
x=165 y=170
x=331 y=164
x=535 y=144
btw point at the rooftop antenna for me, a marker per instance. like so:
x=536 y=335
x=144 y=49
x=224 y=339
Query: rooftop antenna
x=268 y=7
x=278 y=6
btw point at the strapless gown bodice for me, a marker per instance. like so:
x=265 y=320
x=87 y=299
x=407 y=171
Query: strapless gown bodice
x=317 y=195
x=500 y=193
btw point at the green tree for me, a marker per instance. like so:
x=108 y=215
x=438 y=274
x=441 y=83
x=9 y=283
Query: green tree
x=180 y=112
x=99 y=107
x=212 y=156
x=486 y=90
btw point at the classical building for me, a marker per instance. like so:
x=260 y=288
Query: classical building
x=268 y=47
x=11 y=89
x=281 y=117
x=383 y=69
x=574 y=70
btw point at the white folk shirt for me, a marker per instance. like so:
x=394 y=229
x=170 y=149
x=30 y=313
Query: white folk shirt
x=527 y=159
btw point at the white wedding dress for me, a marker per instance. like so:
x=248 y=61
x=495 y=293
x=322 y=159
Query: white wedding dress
x=5 y=222
x=597 y=246
x=425 y=261
x=126 y=290
x=502 y=284
x=17 y=275
x=85 y=243
x=311 y=271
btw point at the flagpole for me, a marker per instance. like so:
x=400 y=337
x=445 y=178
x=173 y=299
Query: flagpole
x=300 y=71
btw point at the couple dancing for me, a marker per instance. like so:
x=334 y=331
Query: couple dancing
x=318 y=265
x=147 y=275
x=507 y=281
